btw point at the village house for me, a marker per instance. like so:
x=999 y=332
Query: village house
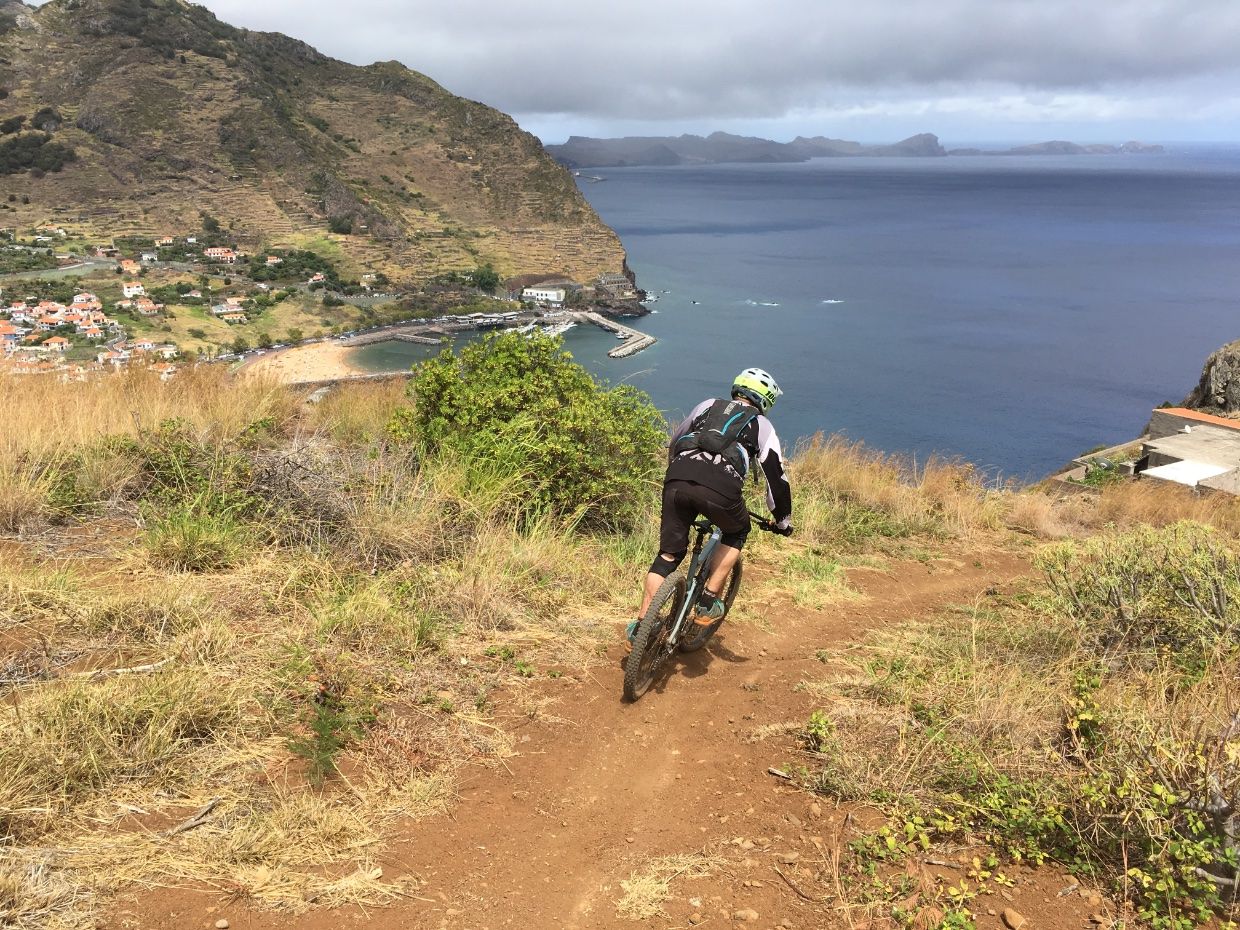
x=193 y=295
x=104 y=251
x=147 y=307
x=220 y=254
x=150 y=257
x=165 y=241
x=274 y=260
x=57 y=344
x=234 y=316
x=10 y=336
x=86 y=301
x=230 y=305
x=164 y=371
x=133 y=289
x=93 y=333
x=317 y=278
x=129 y=266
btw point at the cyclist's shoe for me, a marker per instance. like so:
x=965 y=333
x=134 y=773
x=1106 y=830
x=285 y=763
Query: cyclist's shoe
x=630 y=634
x=709 y=609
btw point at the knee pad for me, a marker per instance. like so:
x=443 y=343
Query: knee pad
x=664 y=567
x=735 y=540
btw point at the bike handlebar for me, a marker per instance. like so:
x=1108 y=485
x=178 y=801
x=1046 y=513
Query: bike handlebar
x=769 y=526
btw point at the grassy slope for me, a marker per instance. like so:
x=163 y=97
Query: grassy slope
x=290 y=597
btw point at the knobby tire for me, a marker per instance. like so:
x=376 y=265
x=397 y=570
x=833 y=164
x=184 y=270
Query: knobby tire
x=644 y=661
x=692 y=641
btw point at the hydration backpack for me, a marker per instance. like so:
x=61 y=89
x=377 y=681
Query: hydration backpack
x=718 y=433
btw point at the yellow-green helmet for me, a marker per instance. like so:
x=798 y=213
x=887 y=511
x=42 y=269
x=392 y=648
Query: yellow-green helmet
x=758 y=386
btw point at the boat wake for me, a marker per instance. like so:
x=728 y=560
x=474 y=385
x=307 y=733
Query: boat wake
x=832 y=301
x=762 y=303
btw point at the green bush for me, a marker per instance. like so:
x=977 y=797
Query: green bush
x=1176 y=588
x=519 y=411
x=35 y=151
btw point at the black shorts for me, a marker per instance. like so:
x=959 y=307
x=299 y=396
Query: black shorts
x=684 y=501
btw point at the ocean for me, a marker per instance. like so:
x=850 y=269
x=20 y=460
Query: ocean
x=1013 y=311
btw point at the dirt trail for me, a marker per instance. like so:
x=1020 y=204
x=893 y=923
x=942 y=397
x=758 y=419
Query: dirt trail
x=545 y=840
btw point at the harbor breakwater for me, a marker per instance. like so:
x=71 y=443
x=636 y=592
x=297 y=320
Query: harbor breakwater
x=434 y=331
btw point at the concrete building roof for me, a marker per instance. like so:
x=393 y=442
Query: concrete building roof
x=1187 y=472
x=1204 y=444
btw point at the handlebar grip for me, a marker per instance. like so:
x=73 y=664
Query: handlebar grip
x=769 y=526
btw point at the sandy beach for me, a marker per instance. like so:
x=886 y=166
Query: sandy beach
x=319 y=361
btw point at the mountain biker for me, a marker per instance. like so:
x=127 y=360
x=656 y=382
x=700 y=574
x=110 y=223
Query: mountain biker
x=708 y=459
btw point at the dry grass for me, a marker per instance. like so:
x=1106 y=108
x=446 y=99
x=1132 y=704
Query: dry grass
x=380 y=602
x=34 y=895
x=56 y=417
x=647 y=889
x=358 y=413
x=847 y=494
x=1040 y=511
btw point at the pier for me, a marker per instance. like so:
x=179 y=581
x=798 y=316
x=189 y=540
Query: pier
x=634 y=341
x=432 y=333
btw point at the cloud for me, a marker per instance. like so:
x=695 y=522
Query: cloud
x=686 y=60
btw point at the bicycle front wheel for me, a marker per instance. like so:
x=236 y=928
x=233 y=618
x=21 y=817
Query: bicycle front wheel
x=698 y=636
x=650 y=640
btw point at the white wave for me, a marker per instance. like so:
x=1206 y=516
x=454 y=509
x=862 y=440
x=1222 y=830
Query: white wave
x=832 y=301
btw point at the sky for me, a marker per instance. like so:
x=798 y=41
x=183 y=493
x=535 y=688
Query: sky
x=872 y=70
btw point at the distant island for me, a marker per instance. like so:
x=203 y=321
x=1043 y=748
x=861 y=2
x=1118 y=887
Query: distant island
x=723 y=148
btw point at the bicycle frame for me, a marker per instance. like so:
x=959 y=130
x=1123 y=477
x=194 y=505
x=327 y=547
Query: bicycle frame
x=704 y=547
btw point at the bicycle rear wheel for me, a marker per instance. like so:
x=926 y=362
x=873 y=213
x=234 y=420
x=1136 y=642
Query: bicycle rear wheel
x=650 y=640
x=695 y=636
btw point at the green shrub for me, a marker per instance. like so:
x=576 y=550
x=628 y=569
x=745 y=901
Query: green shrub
x=1175 y=588
x=520 y=412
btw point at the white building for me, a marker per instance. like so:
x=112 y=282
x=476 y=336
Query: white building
x=133 y=289
x=551 y=296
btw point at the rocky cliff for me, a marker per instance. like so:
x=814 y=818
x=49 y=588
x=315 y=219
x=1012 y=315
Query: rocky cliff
x=173 y=115
x=1218 y=391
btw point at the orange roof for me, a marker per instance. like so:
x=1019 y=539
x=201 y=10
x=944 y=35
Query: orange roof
x=1199 y=416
